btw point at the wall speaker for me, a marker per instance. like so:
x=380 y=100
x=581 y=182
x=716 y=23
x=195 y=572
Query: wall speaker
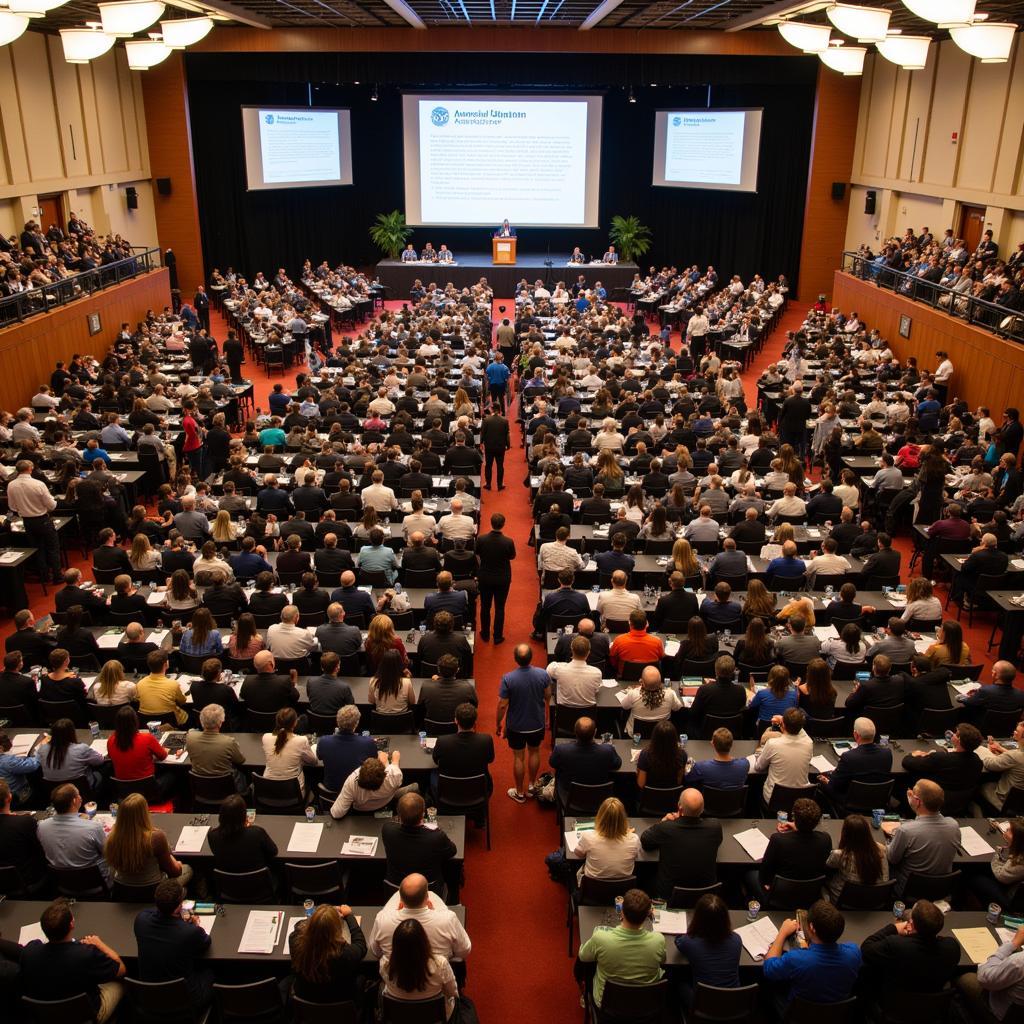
x=869 y=201
x=838 y=190
x=163 y=186
x=132 y=198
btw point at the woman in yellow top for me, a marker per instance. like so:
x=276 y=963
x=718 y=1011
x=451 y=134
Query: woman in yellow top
x=949 y=647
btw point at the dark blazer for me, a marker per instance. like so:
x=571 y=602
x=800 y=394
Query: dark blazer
x=795 y=855
x=463 y=754
x=35 y=647
x=268 y=692
x=952 y=770
x=108 y=558
x=415 y=848
x=867 y=762
x=496 y=552
x=68 y=597
x=589 y=763
x=225 y=600
x=688 y=852
x=877 y=693
x=18 y=690
x=495 y=434
x=909 y=963
x=675 y=606
x=716 y=699
x=600 y=645
x=333 y=560
x=928 y=690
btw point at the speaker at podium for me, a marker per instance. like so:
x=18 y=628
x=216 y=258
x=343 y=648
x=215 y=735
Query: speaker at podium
x=503 y=251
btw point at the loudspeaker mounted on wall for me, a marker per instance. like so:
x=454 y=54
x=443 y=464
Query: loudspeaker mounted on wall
x=163 y=186
x=869 y=201
x=132 y=197
x=838 y=190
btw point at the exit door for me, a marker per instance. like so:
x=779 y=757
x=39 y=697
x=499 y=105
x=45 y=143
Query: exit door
x=972 y=224
x=51 y=211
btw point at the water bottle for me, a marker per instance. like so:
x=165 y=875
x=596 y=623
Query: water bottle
x=398 y=587
x=423 y=627
x=423 y=739
x=637 y=739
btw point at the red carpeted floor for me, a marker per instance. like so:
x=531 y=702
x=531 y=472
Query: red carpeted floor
x=515 y=914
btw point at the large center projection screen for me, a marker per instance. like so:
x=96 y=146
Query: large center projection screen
x=709 y=149
x=475 y=160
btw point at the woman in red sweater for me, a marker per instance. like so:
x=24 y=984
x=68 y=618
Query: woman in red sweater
x=134 y=753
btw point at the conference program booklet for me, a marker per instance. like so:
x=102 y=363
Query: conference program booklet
x=262 y=930
x=359 y=846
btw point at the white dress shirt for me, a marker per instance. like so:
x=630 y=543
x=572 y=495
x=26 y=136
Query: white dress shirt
x=443 y=928
x=787 y=759
x=288 y=641
x=578 y=684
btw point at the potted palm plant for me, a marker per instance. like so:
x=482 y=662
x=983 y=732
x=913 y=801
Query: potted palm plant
x=630 y=237
x=389 y=233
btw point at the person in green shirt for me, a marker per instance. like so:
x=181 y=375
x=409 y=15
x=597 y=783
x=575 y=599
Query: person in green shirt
x=628 y=953
x=272 y=436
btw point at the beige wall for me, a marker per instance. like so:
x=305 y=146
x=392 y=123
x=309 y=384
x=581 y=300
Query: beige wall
x=75 y=129
x=905 y=149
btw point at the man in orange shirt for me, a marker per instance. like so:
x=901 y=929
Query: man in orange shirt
x=637 y=644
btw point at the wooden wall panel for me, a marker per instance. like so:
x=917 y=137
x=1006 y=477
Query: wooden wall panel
x=824 y=232
x=170 y=156
x=28 y=351
x=987 y=370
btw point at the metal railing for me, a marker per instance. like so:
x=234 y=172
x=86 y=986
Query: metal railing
x=989 y=316
x=29 y=303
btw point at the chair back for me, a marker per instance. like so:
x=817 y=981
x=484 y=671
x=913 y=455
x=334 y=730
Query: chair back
x=826 y=728
x=923 y=625
x=683 y=898
x=632 y=670
x=917 y=1007
x=999 y=723
x=11 y=884
x=880 y=582
x=856 y=896
x=848 y=669
x=17 y=716
x=783 y=798
x=972 y=672
x=585 y=798
x=322 y=725
x=888 y=721
x=424 y=578
x=461 y=794
x=724 y=803
x=413 y=1011
x=802 y=1011
x=566 y=718
x=789 y=584
x=122 y=892
x=790 y=893
x=635 y=1002
x=705 y=669
x=210 y=791
x=372 y=578
x=147 y=787
x=161 y=1000
x=255 y=1001
x=556 y=622
x=277 y=796
x=654 y=801
x=935 y=721
x=930 y=887
x=724 y=1005
x=259 y=721
x=104 y=714
x=866 y=796
x=81 y=883
x=53 y=710
x=617 y=625
x=1014 y=802
x=734 y=723
x=73 y=1010
x=403 y=722
x=601 y=892
x=193 y=663
x=325 y=798
x=245 y=886
x=319 y=882
x=305 y=1012
x=436 y=728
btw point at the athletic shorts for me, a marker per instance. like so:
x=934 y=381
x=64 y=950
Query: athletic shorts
x=519 y=740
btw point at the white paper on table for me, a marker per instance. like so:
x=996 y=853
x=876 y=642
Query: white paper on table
x=820 y=763
x=923 y=644
x=610 y=683
x=671 y=648
x=292 y=922
x=753 y=841
x=359 y=846
x=634 y=754
x=305 y=837
x=30 y=932
x=825 y=632
x=106 y=819
x=158 y=636
x=973 y=844
x=205 y=921
x=237 y=687
x=621 y=696
x=108 y=641
x=965 y=688
x=191 y=839
x=1005 y=935
x=757 y=937
x=572 y=842
x=1018 y=564
x=687 y=701
x=592 y=600
x=23 y=743
x=156 y=597
x=100 y=746
x=5 y=559
x=979 y=943
x=429 y=743
x=262 y=930
x=670 y=922
x=752 y=759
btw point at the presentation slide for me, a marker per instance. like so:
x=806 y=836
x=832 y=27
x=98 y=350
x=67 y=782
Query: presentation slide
x=476 y=160
x=296 y=147
x=710 y=149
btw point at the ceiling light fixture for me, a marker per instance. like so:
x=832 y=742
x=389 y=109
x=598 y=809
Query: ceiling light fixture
x=942 y=12
x=82 y=45
x=910 y=52
x=806 y=37
x=34 y=8
x=144 y=54
x=11 y=26
x=847 y=60
x=989 y=41
x=867 y=24
x=130 y=16
x=184 y=32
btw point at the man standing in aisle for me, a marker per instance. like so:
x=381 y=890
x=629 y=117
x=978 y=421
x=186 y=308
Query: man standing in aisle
x=31 y=499
x=494 y=577
x=498 y=374
x=496 y=438
x=524 y=697
x=201 y=304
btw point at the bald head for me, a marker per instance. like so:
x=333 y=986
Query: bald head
x=989 y=540
x=691 y=803
x=263 y=661
x=413 y=891
x=348 y=578
x=586 y=627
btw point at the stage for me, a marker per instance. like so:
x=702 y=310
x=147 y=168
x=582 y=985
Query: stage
x=399 y=277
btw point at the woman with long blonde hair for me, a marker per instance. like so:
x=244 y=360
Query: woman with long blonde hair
x=759 y=603
x=612 y=847
x=111 y=686
x=609 y=472
x=381 y=638
x=683 y=560
x=136 y=852
x=143 y=556
x=224 y=530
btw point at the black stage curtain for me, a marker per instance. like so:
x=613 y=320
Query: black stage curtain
x=737 y=233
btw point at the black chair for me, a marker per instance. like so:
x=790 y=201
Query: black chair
x=847 y=670
x=856 y=896
x=826 y=728
x=880 y=582
x=372 y=578
x=12 y=885
x=402 y=722
x=123 y=892
x=632 y=670
x=81 y=883
x=17 y=716
x=54 y=710
x=972 y=672
x=469 y=796
x=595 y=892
x=322 y=883
x=801 y=1011
x=713 y=1005
x=935 y=721
x=435 y=728
x=193 y=663
x=73 y=1010
x=783 y=798
x=325 y=798
x=210 y=791
x=258 y=1001
x=103 y=714
x=162 y=1001
x=999 y=723
x=790 y=893
x=864 y=797
x=705 y=669
x=413 y=1011
x=929 y=887
x=789 y=584
x=419 y=578
x=683 y=898
x=585 y=798
x=917 y=1007
x=642 y=1004
x=147 y=787
x=654 y=801
x=888 y=721
x=617 y=625
x=305 y=1012
x=321 y=725
x=245 y=886
x=734 y=723
x=259 y=721
x=923 y=625
x=556 y=622
x=277 y=796
x=724 y=803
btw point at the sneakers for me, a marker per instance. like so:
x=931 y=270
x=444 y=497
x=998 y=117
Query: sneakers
x=516 y=795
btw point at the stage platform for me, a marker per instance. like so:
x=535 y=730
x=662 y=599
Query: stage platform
x=398 y=277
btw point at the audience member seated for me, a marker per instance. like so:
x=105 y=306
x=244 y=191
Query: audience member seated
x=687 y=845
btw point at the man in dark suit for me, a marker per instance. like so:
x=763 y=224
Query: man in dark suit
x=415 y=479
x=297 y=526
x=234 y=353
x=35 y=647
x=728 y=562
x=883 y=562
x=824 y=503
x=882 y=690
x=412 y=847
x=600 y=644
x=267 y=691
x=109 y=556
x=614 y=558
x=73 y=593
x=687 y=846
x=563 y=602
x=496 y=553
x=463 y=460
x=418 y=557
x=679 y=605
x=1006 y=480
x=957 y=770
x=309 y=498
x=496 y=438
x=338 y=636
x=794 y=413
x=356 y=602
x=796 y=849
x=201 y=303
x=223 y=598
x=999 y=695
x=926 y=686
x=751 y=530
x=16 y=688
x=176 y=557
x=465 y=753
x=866 y=761
x=582 y=760
x=597 y=508
x=331 y=558
x=985 y=560
x=293 y=559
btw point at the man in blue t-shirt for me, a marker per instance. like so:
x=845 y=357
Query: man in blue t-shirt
x=497 y=380
x=523 y=701
x=721 y=771
x=824 y=971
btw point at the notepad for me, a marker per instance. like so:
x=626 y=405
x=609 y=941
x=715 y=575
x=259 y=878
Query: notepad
x=205 y=921
x=23 y=743
x=158 y=636
x=572 y=842
x=973 y=844
x=610 y=683
x=6 y=559
x=621 y=696
x=634 y=754
x=671 y=648
x=670 y=922
x=979 y=943
x=100 y=746
x=753 y=841
x=109 y=641
x=757 y=937
x=359 y=846
x=262 y=930
x=156 y=597
x=820 y=763
x=965 y=688
x=30 y=932
x=825 y=632
x=191 y=839
x=305 y=837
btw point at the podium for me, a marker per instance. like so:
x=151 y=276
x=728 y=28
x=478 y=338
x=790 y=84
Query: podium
x=503 y=252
